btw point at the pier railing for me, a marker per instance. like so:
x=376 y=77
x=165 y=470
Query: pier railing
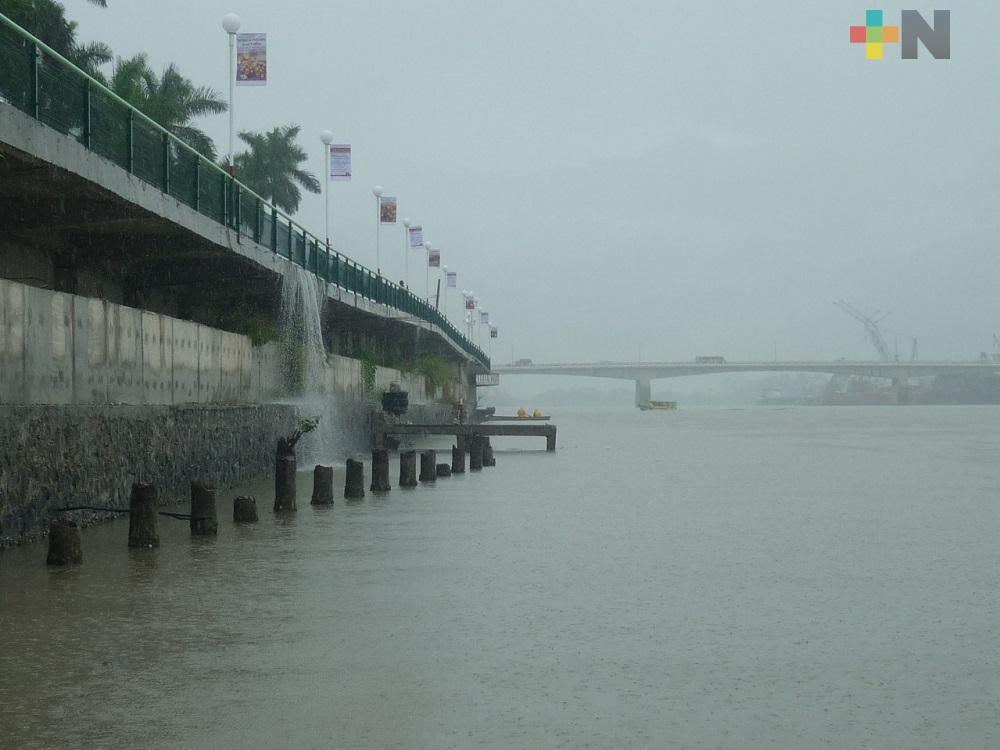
x=42 y=83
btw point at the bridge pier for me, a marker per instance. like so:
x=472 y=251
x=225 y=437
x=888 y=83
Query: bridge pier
x=643 y=393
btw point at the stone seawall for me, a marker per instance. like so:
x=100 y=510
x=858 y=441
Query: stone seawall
x=54 y=456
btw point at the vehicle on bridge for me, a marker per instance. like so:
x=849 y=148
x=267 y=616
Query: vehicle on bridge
x=522 y=362
x=714 y=360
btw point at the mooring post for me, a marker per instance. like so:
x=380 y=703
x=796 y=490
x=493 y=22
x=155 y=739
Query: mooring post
x=457 y=460
x=444 y=470
x=550 y=439
x=284 y=484
x=64 y=543
x=322 y=485
x=475 y=453
x=203 y=519
x=428 y=466
x=245 y=509
x=462 y=441
x=488 y=459
x=142 y=516
x=354 y=484
x=380 y=470
x=408 y=469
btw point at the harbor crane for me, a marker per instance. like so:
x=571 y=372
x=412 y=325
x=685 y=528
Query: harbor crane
x=870 y=322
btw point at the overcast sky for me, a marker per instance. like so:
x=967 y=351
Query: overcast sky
x=673 y=178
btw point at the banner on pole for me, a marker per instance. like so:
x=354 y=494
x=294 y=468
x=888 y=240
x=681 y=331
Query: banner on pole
x=470 y=303
x=387 y=209
x=484 y=317
x=493 y=332
x=340 y=161
x=251 y=59
x=434 y=259
x=416 y=236
x=452 y=279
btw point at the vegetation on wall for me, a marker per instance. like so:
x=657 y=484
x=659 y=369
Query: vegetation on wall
x=369 y=369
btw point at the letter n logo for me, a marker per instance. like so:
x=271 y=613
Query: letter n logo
x=937 y=40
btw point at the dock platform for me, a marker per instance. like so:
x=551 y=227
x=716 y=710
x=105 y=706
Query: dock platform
x=462 y=432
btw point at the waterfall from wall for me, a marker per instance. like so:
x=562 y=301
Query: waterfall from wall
x=303 y=364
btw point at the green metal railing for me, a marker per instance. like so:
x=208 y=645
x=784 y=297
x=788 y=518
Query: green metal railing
x=41 y=82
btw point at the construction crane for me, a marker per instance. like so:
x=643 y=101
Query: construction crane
x=870 y=322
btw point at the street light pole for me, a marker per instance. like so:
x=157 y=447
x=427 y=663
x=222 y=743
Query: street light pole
x=327 y=138
x=231 y=24
x=427 y=271
x=377 y=192
x=444 y=270
x=406 y=249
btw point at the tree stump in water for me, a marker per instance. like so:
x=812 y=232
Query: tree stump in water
x=476 y=453
x=457 y=460
x=64 y=543
x=142 y=516
x=428 y=466
x=408 y=469
x=380 y=470
x=203 y=519
x=245 y=509
x=284 y=484
x=322 y=485
x=444 y=470
x=354 y=485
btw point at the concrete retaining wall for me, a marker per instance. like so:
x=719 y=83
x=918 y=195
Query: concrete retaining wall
x=58 y=348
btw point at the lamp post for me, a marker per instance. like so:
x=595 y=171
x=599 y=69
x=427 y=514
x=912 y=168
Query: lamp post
x=377 y=192
x=444 y=271
x=327 y=138
x=427 y=270
x=406 y=249
x=231 y=24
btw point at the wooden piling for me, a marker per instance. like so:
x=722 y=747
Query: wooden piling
x=475 y=453
x=245 y=509
x=550 y=440
x=457 y=460
x=284 y=484
x=488 y=459
x=203 y=519
x=428 y=466
x=322 y=485
x=444 y=470
x=408 y=469
x=142 y=516
x=64 y=543
x=380 y=470
x=354 y=484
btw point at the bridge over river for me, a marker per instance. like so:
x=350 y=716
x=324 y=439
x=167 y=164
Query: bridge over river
x=645 y=372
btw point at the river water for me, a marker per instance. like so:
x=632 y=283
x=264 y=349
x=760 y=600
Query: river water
x=758 y=578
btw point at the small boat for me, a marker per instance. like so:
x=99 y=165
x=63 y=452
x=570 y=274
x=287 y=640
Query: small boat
x=660 y=406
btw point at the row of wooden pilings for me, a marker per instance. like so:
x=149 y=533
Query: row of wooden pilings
x=64 y=535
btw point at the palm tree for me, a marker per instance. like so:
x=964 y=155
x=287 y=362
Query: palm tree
x=271 y=167
x=46 y=20
x=169 y=99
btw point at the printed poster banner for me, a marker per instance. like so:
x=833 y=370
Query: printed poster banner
x=484 y=317
x=434 y=259
x=452 y=279
x=340 y=161
x=251 y=59
x=416 y=236
x=493 y=332
x=387 y=209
